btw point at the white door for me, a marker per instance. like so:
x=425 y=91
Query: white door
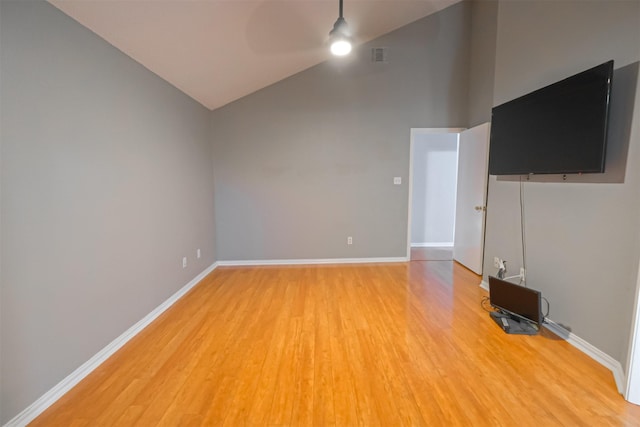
x=473 y=152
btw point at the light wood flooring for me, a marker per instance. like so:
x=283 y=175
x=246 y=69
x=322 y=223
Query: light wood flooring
x=432 y=254
x=394 y=344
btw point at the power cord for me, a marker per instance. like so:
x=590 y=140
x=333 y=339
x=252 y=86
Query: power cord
x=524 y=245
x=484 y=306
x=548 y=309
x=522 y=229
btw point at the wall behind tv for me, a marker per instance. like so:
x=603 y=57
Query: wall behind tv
x=310 y=160
x=106 y=183
x=482 y=55
x=583 y=241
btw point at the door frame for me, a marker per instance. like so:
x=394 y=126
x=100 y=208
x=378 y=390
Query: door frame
x=631 y=387
x=479 y=131
x=415 y=132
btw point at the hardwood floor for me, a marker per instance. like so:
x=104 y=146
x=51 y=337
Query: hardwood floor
x=392 y=344
x=432 y=254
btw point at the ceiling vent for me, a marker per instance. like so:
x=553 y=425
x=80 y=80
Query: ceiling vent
x=379 y=54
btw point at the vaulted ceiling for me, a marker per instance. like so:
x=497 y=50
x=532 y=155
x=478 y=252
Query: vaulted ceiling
x=217 y=51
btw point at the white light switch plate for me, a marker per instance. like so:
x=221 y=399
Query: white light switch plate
x=397 y=180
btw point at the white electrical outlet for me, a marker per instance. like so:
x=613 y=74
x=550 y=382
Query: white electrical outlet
x=198 y=253
x=349 y=240
x=496 y=262
x=397 y=180
x=184 y=262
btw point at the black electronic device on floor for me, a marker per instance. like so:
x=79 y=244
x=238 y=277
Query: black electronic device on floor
x=518 y=308
x=513 y=326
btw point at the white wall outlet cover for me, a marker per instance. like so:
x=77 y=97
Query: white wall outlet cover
x=397 y=180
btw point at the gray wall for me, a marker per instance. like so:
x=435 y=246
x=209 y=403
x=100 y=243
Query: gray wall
x=106 y=183
x=435 y=178
x=582 y=238
x=482 y=55
x=1 y=95
x=308 y=161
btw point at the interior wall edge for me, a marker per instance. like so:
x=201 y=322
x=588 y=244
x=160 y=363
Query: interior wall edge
x=50 y=397
x=321 y=261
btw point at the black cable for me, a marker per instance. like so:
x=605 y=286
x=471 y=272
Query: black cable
x=484 y=307
x=522 y=229
x=548 y=307
x=524 y=243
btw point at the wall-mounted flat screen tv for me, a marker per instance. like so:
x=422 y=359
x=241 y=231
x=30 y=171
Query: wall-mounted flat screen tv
x=559 y=129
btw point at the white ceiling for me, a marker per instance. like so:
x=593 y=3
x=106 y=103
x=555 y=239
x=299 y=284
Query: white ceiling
x=217 y=51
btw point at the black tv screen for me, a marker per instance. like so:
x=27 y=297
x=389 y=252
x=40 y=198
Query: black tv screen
x=516 y=300
x=559 y=129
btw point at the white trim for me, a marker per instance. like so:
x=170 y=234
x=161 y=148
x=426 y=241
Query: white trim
x=455 y=198
x=632 y=380
x=311 y=261
x=55 y=393
x=51 y=396
x=410 y=195
x=432 y=245
x=590 y=350
x=587 y=348
x=419 y=131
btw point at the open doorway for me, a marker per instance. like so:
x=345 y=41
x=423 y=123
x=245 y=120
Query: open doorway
x=432 y=186
x=447 y=194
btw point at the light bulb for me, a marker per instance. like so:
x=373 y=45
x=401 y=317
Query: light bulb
x=341 y=47
x=340 y=36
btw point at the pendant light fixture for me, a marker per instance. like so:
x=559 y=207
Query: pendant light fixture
x=340 y=36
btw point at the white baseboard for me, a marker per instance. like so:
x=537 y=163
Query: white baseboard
x=432 y=245
x=51 y=396
x=312 y=261
x=590 y=350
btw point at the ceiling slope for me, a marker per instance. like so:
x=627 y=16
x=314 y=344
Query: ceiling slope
x=218 y=51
